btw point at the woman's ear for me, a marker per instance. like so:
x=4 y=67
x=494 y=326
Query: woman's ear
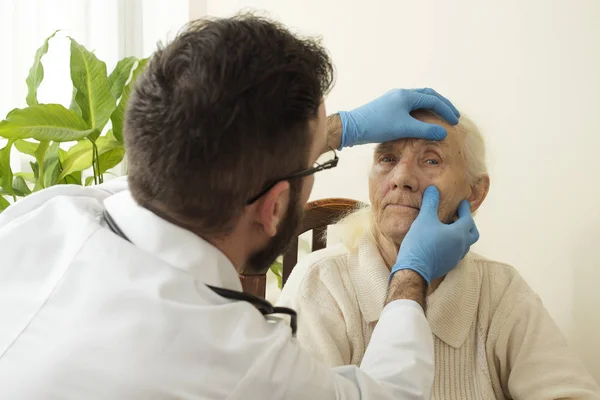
x=479 y=190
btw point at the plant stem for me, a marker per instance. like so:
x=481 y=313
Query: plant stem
x=94 y=163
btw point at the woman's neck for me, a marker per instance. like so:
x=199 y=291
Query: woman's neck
x=388 y=248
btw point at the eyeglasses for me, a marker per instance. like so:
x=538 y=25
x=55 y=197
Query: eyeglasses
x=305 y=172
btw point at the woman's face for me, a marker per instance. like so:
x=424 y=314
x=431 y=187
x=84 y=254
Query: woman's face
x=403 y=169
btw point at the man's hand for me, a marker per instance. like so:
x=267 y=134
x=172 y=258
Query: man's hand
x=432 y=248
x=388 y=118
x=408 y=285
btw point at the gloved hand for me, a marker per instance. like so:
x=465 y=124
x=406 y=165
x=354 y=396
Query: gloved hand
x=432 y=248
x=388 y=118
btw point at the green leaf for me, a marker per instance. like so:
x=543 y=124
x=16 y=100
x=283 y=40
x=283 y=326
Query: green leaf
x=36 y=171
x=38 y=167
x=79 y=157
x=74 y=106
x=277 y=269
x=89 y=180
x=118 y=77
x=6 y=175
x=74 y=178
x=61 y=155
x=51 y=166
x=94 y=135
x=44 y=122
x=93 y=95
x=118 y=115
x=20 y=186
x=3 y=203
x=26 y=147
x=111 y=159
x=36 y=72
x=27 y=176
x=40 y=152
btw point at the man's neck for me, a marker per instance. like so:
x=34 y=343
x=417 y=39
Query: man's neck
x=231 y=251
x=389 y=248
x=231 y=245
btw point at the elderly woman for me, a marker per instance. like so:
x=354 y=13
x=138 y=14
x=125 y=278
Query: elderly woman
x=493 y=337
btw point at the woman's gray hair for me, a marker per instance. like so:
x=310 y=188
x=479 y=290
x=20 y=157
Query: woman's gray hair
x=473 y=149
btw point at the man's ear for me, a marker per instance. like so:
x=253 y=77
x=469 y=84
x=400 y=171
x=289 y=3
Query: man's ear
x=479 y=190
x=272 y=206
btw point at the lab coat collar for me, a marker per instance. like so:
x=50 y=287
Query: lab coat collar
x=172 y=244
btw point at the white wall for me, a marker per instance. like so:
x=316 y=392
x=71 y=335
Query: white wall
x=529 y=73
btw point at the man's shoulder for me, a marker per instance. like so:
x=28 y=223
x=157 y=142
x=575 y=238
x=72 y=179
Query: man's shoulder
x=191 y=320
x=83 y=198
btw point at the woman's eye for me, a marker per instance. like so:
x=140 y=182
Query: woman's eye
x=387 y=159
x=432 y=162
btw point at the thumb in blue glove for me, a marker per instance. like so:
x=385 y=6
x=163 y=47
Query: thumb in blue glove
x=432 y=248
x=388 y=118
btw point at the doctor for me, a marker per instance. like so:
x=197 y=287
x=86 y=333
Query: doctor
x=130 y=290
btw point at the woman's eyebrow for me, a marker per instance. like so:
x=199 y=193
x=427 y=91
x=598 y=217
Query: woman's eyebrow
x=436 y=143
x=386 y=147
x=391 y=147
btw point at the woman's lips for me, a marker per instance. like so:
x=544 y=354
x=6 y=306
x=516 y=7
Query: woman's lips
x=402 y=206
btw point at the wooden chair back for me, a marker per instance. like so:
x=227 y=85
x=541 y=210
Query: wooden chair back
x=318 y=215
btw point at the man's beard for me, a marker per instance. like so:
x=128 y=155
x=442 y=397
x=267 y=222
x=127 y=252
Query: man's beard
x=260 y=261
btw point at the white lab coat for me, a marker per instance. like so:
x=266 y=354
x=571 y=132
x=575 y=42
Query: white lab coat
x=84 y=314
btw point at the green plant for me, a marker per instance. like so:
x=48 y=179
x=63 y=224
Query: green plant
x=277 y=266
x=66 y=142
x=277 y=270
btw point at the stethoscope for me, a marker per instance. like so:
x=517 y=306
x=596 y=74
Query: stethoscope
x=262 y=305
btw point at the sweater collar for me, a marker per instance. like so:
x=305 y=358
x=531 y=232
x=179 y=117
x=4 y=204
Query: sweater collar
x=451 y=308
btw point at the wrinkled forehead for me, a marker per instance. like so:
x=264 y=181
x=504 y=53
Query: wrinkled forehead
x=452 y=143
x=414 y=144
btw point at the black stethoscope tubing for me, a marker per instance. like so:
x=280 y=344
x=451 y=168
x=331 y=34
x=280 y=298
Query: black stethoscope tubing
x=262 y=305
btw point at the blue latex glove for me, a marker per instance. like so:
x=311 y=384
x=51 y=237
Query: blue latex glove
x=388 y=118
x=432 y=248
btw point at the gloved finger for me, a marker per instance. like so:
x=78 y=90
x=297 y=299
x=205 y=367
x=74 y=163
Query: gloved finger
x=422 y=130
x=465 y=218
x=431 y=202
x=474 y=233
x=465 y=252
x=464 y=209
x=430 y=91
x=431 y=102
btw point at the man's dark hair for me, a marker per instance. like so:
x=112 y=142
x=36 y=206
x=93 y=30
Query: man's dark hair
x=219 y=113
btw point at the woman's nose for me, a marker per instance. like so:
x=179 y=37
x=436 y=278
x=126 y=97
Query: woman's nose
x=404 y=177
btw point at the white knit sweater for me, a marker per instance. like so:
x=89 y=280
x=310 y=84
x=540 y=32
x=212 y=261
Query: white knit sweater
x=493 y=337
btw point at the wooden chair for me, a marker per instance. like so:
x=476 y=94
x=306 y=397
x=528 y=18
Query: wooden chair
x=319 y=214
